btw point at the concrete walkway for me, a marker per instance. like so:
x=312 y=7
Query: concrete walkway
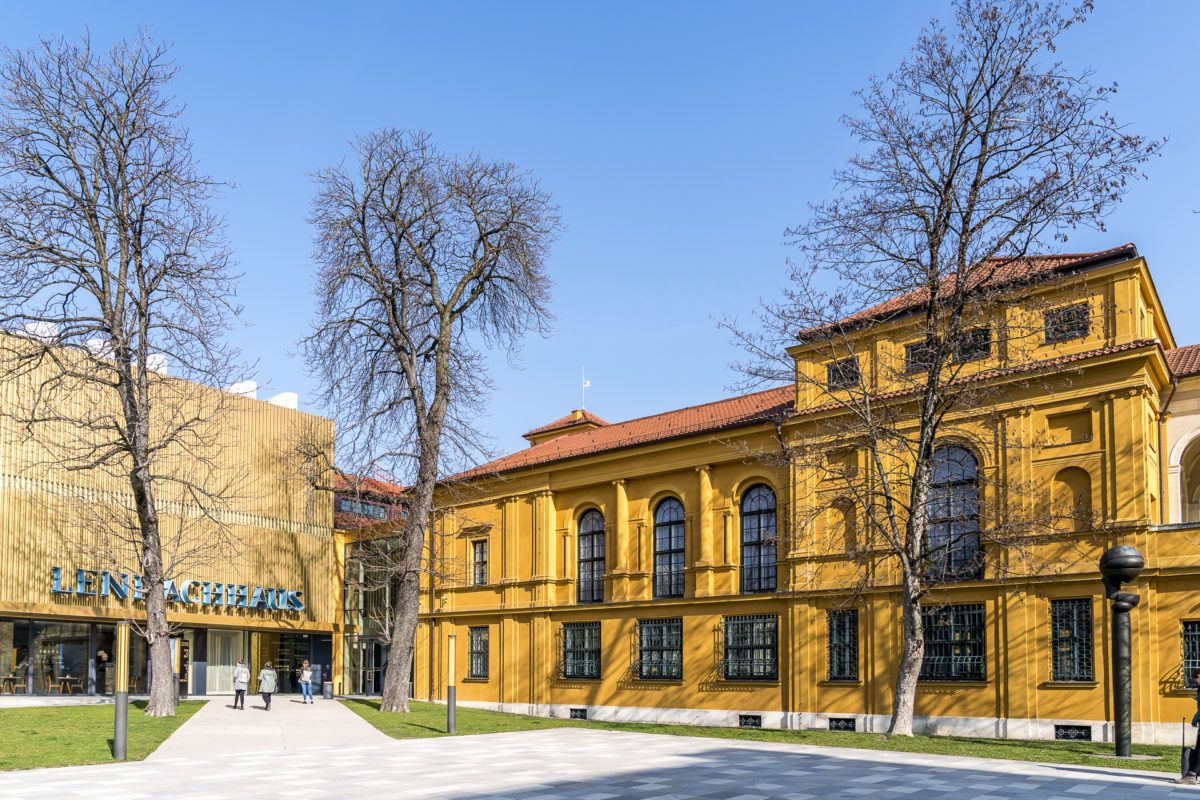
x=219 y=730
x=582 y=764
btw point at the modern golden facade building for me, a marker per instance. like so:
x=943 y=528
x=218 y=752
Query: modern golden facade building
x=271 y=593
x=656 y=569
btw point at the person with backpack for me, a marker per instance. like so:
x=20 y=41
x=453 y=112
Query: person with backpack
x=306 y=673
x=268 y=683
x=241 y=682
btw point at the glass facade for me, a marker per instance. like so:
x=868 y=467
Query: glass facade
x=48 y=657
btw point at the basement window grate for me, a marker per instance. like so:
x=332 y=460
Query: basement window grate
x=841 y=724
x=578 y=713
x=1073 y=733
x=749 y=720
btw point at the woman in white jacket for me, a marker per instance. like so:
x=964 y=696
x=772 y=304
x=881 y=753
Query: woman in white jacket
x=241 y=682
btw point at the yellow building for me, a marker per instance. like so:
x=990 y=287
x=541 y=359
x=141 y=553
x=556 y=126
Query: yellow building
x=676 y=568
x=271 y=592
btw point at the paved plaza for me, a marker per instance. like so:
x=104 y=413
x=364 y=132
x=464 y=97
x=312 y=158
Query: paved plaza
x=557 y=764
x=219 y=730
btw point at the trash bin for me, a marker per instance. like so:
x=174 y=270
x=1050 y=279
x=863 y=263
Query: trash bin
x=327 y=690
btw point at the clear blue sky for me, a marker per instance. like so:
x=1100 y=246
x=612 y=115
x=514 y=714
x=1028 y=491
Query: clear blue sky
x=679 y=138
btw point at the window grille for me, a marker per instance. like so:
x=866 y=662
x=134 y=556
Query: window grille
x=917 y=357
x=479 y=559
x=477 y=666
x=1191 y=651
x=1067 y=322
x=1071 y=640
x=751 y=650
x=578 y=713
x=973 y=344
x=668 y=548
x=660 y=649
x=580 y=650
x=842 y=724
x=590 y=588
x=955 y=643
x=749 y=720
x=842 y=373
x=758 y=540
x=952 y=533
x=843 y=645
x=1073 y=733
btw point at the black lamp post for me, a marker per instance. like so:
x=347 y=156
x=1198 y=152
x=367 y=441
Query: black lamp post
x=1121 y=564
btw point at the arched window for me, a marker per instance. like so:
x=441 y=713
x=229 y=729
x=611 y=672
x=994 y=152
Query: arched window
x=668 y=549
x=1071 y=500
x=590 y=588
x=758 y=540
x=953 y=532
x=844 y=523
x=1189 y=483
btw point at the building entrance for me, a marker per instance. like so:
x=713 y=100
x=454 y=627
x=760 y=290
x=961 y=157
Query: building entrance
x=224 y=650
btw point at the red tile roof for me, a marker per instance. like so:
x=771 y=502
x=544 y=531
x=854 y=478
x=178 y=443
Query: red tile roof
x=748 y=409
x=706 y=418
x=363 y=485
x=1184 y=360
x=584 y=417
x=1025 y=269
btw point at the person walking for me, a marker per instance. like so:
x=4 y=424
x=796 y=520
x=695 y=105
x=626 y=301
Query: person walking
x=241 y=682
x=306 y=682
x=268 y=683
x=1190 y=777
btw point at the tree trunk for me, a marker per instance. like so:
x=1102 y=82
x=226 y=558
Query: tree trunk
x=912 y=654
x=158 y=637
x=408 y=594
x=397 y=683
x=158 y=630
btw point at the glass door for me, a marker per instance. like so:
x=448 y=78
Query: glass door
x=224 y=649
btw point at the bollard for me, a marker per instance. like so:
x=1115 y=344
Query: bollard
x=1118 y=565
x=121 y=698
x=450 y=692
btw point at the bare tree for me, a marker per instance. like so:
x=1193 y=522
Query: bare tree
x=425 y=259
x=978 y=152
x=112 y=266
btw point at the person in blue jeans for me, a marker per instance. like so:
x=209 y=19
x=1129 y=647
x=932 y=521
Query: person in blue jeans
x=1190 y=777
x=306 y=682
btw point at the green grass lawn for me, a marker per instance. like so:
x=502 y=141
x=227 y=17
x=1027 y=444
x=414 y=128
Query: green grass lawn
x=61 y=736
x=429 y=719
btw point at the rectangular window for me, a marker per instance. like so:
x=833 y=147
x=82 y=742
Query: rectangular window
x=843 y=373
x=751 y=648
x=1191 y=651
x=660 y=649
x=843 y=645
x=1071 y=640
x=479 y=558
x=581 y=650
x=1067 y=322
x=478 y=666
x=361 y=509
x=973 y=344
x=955 y=643
x=917 y=356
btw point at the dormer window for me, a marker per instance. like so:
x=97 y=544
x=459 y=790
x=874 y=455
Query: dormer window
x=1067 y=322
x=842 y=373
